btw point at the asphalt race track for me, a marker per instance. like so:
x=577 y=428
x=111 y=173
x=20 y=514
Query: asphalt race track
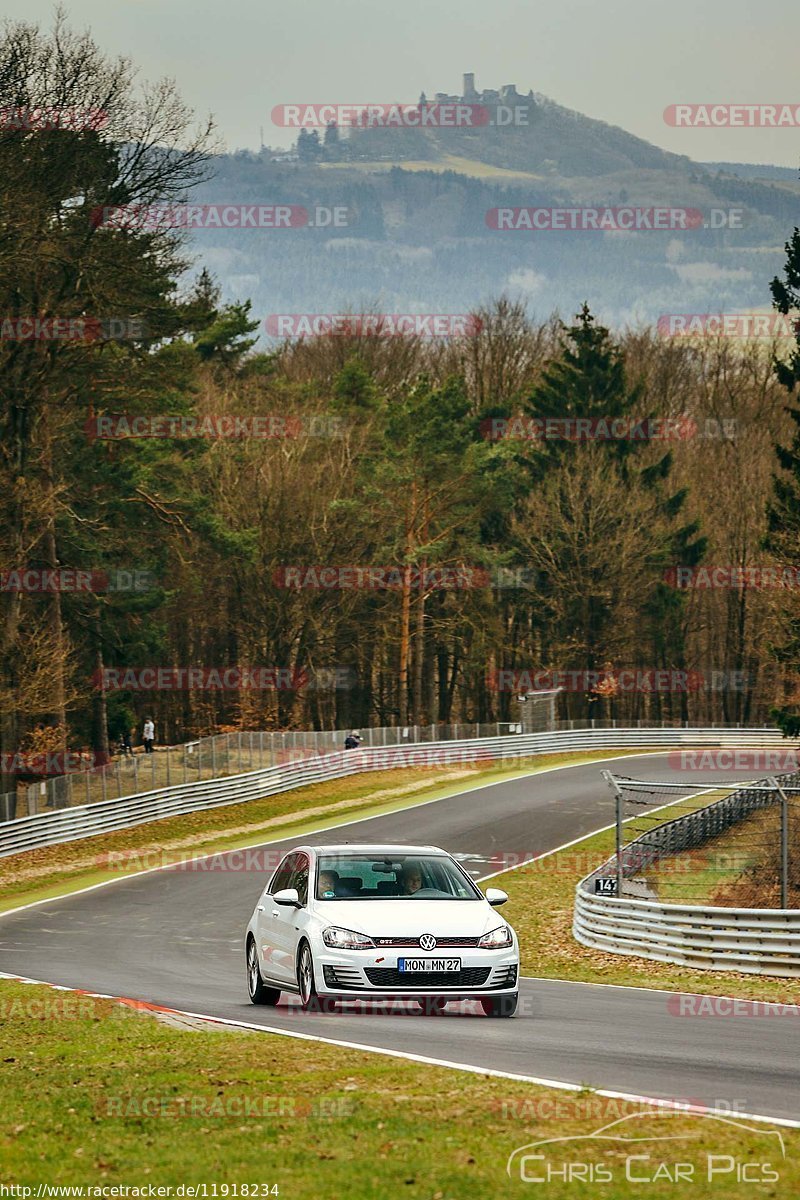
x=175 y=938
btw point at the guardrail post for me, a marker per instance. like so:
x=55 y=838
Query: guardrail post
x=612 y=783
x=772 y=781
x=169 y=778
x=214 y=756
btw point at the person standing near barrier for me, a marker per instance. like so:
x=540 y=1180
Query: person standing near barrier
x=148 y=735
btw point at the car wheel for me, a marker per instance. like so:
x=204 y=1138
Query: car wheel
x=432 y=1006
x=259 y=992
x=309 y=999
x=499 y=1006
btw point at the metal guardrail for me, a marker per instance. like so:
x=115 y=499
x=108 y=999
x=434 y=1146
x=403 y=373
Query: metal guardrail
x=756 y=941
x=241 y=751
x=70 y=824
x=759 y=941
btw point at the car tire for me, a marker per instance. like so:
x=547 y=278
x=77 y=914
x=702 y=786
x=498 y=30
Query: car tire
x=309 y=999
x=500 y=1006
x=259 y=992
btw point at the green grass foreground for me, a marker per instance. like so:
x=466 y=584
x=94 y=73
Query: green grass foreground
x=96 y=1094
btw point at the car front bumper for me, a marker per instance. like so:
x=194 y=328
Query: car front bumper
x=356 y=973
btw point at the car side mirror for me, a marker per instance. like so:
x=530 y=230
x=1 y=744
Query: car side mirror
x=496 y=897
x=288 y=897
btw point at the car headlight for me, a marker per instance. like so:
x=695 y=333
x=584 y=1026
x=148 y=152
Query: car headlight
x=496 y=939
x=346 y=939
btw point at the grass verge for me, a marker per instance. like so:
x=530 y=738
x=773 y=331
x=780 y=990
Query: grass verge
x=96 y=1095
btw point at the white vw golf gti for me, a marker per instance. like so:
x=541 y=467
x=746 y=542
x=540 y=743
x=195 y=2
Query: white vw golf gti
x=355 y=922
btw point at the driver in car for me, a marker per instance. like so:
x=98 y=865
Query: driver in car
x=410 y=879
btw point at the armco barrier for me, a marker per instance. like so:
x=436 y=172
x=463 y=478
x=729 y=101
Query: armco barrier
x=69 y=824
x=756 y=941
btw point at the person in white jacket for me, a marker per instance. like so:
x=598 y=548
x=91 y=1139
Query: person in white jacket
x=148 y=735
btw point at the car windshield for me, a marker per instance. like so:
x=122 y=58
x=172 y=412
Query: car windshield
x=396 y=877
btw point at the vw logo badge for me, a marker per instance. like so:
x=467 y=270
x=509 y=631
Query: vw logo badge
x=427 y=941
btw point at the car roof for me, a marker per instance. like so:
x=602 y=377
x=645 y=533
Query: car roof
x=379 y=849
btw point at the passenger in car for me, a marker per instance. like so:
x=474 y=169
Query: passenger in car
x=326 y=887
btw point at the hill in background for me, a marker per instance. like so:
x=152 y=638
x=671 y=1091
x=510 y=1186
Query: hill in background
x=416 y=237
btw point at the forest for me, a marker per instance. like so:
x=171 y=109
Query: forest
x=356 y=529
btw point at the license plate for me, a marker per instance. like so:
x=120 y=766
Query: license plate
x=428 y=964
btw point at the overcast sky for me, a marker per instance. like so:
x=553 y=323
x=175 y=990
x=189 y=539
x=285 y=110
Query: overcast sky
x=622 y=61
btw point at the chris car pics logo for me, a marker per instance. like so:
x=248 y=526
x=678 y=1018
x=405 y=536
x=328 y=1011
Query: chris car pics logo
x=626 y=1152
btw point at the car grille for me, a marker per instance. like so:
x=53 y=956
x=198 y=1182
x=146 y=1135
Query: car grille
x=346 y=977
x=414 y=941
x=390 y=977
x=505 y=976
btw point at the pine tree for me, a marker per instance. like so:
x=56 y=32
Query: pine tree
x=588 y=380
x=783 y=514
x=309 y=148
x=331 y=140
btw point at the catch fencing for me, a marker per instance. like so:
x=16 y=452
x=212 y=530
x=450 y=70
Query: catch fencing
x=242 y=751
x=618 y=906
x=73 y=822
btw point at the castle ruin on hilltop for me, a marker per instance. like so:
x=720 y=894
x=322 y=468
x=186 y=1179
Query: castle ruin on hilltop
x=507 y=95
